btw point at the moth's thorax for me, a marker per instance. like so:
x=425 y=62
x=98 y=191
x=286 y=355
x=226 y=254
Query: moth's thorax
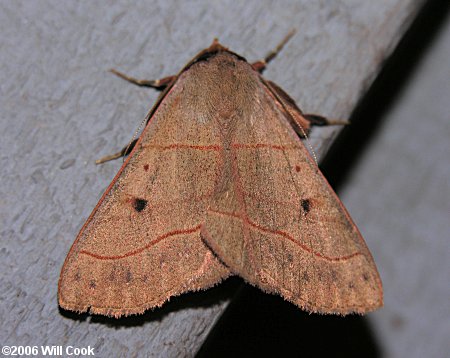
x=221 y=87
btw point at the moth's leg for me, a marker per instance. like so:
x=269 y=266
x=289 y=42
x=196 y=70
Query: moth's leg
x=125 y=151
x=300 y=121
x=261 y=64
x=158 y=84
x=318 y=120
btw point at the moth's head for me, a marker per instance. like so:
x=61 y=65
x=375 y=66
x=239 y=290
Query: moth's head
x=216 y=46
x=209 y=52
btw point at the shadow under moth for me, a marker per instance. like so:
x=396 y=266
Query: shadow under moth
x=219 y=183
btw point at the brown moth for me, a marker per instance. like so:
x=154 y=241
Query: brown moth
x=219 y=184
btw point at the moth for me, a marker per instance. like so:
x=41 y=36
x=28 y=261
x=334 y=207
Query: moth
x=219 y=183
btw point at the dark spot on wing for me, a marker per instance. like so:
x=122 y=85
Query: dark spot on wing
x=297 y=168
x=306 y=205
x=139 y=204
x=146 y=167
x=112 y=275
x=128 y=276
x=334 y=275
x=92 y=284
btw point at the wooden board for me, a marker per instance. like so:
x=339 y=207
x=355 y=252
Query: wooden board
x=61 y=110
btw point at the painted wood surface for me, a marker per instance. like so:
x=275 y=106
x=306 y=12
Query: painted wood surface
x=61 y=110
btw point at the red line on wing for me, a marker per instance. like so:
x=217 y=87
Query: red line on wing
x=182 y=146
x=263 y=145
x=287 y=236
x=135 y=252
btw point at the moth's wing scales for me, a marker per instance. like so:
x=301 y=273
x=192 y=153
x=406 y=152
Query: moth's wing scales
x=279 y=224
x=141 y=245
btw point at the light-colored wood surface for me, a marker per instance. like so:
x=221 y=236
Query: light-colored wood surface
x=61 y=110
